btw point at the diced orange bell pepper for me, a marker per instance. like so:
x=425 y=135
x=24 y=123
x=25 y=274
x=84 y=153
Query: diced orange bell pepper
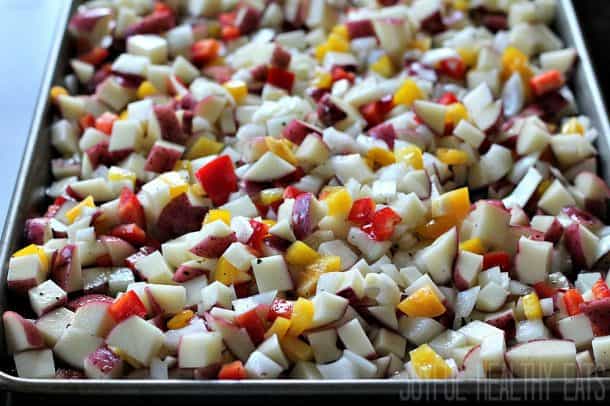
x=428 y=364
x=234 y=370
x=422 y=303
x=127 y=305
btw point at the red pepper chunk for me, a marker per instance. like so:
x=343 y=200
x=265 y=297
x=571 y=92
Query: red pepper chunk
x=280 y=308
x=291 y=192
x=234 y=370
x=105 y=122
x=131 y=233
x=455 y=68
x=497 y=258
x=375 y=112
x=382 y=224
x=129 y=304
x=544 y=290
x=572 y=299
x=253 y=324
x=448 y=98
x=547 y=82
x=259 y=232
x=94 y=57
x=362 y=211
x=600 y=289
x=281 y=78
x=130 y=209
x=218 y=179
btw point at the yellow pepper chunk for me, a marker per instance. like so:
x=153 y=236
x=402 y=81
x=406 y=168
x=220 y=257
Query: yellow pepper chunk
x=279 y=327
x=321 y=50
x=116 y=173
x=225 y=272
x=383 y=66
x=182 y=165
x=452 y=156
x=428 y=364
x=57 y=91
x=573 y=126
x=146 y=89
x=341 y=31
x=543 y=186
x=204 y=146
x=513 y=60
x=302 y=316
x=270 y=196
x=177 y=184
x=456 y=112
x=407 y=93
x=34 y=249
x=218 y=214
x=531 y=306
x=237 y=89
x=412 y=156
x=455 y=203
x=468 y=55
x=323 y=80
x=124 y=115
x=307 y=279
x=338 y=42
x=300 y=253
x=339 y=202
x=282 y=148
x=422 y=43
x=269 y=222
x=436 y=227
x=461 y=5
x=474 y=245
x=381 y=156
x=296 y=349
x=422 y=303
x=75 y=211
x=180 y=320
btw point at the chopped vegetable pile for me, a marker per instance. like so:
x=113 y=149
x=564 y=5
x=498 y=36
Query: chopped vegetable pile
x=319 y=190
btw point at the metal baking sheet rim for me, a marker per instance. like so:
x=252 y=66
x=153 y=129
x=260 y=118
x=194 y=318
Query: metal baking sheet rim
x=589 y=101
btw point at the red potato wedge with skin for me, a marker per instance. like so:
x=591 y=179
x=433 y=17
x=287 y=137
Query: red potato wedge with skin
x=582 y=245
x=188 y=271
x=103 y=364
x=213 y=246
x=20 y=334
x=163 y=157
x=118 y=249
x=164 y=119
x=154 y=23
x=235 y=338
x=38 y=230
x=297 y=130
x=504 y=320
x=598 y=311
x=66 y=270
x=466 y=270
x=83 y=300
x=180 y=216
x=210 y=108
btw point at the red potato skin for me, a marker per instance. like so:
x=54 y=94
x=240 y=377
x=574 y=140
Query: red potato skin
x=122 y=249
x=104 y=360
x=505 y=322
x=572 y=243
x=247 y=19
x=171 y=130
x=280 y=57
x=179 y=217
x=99 y=154
x=92 y=298
x=86 y=20
x=301 y=216
x=297 y=130
x=161 y=159
x=212 y=246
x=62 y=265
x=32 y=334
x=68 y=373
x=384 y=132
x=328 y=112
x=35 y=229
x=598 y=311
x=130 y=261
x=154 y=23
x=186 y=273
x=360 y=29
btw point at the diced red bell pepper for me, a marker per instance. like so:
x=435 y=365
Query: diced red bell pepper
x=86 y=121
x=234 y=370
x=374 y=113
x=131 y=233
x=229 y=32
x=129 y=304
x=292 y=192
x=455 y=68
x=497 y=258
x=544 y=290
x=253 y=324
x=95 y=56
x=572 y=299
x=227 y=18
x=338 y=73
x=105 y=122
x=281 y=78
x=600 y=289
x=547 y=82
x=448 y=98
x=204 y=51
x=259 y=232
x=280 y=308
x=218 y=179
x=162 y=8
x=362 y=211
x=130 y=209
x=382 y=224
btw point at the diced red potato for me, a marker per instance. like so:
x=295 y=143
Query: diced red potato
x=20 y=334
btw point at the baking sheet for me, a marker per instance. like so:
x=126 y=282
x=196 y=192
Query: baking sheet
x=29 y=199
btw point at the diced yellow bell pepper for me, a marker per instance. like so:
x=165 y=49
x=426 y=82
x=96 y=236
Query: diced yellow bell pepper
x=307 y=278
x=436 y=227
x=75 y=211
x=381 y=156
x=513 y=60
x=456 y=112
x=182 y=165
x=329 y=263
x=543 y=186
x=412 y=156
x=197 y=189
x=269 y=222
x=116 y=173
x=323 y=80
x=474 y=245
x=146 y=89
x=341 y=31
x=203 y=146
x=214 y=29
x=225 y=272
x=177 y=184
x=270 y=196
x=422 y=43
x=218 y=214
x=282 y=148
x=300 y=253
x=124 y=115
x=296 y=349
x=531 y=306
x=180 y=320
x=237 y=89
x=337 y=42
x=452 y=156
x=422 y=303
x=57 y=91
x=455 y=203
x=407 y=93
x=428 y=364
x=339 y=202
x=279 y=327
x=573 y=126
x=34 y=249
x=383 y=66
x=469 y=55
x=321 y=50
x=302 y=316
x=461 y=5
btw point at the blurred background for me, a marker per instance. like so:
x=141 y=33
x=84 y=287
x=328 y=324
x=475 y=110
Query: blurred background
x=29 y=27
